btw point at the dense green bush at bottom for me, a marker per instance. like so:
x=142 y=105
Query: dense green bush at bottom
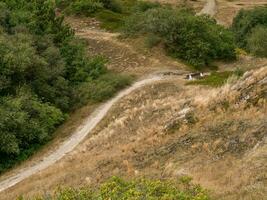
x=119 y=189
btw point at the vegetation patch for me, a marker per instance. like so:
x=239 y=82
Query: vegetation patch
x=110 y=20
x=216 y=79
x=111 y=13
x=198 y=40
x=250 y=28
x=117 y=188
x=44 y=73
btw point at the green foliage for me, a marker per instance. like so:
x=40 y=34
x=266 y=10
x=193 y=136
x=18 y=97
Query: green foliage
x=143 y=6
x=85 y=7
x=24 y=122
x=113 y=5
x=110 y=13
x=257 y=41
x=217 y=79
x=152 y=40
x=119 y=189
x=246 y=21
x=103 y=88
x=42 y=68
x=89 y=7
x=195 y=39
x=110 y=20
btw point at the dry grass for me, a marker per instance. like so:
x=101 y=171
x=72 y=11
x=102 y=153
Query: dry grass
x=221 y=143
x=227 y=9
x=124 y=55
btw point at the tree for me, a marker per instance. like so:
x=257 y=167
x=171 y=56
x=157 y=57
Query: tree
x=257 y=41
x=246 y=21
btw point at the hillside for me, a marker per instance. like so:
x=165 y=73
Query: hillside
x=162 y=127
x=217 y=136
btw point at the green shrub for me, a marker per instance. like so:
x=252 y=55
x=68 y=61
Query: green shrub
x=257 y=41
x=142 y=6
x=196 y=39
x=102 y=88
x=113 y=5
x=152 y=40
x=119 y=189
x=245 y=21
x=85 y=7
x=216 y=79
x=25 y=122
x=88 y=7
x=110 y=20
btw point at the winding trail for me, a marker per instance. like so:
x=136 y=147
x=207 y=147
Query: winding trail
x=210 y=8
x=92 y=121
x=79 y=135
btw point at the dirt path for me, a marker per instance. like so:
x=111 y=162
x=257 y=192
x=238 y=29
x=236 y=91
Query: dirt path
x=100 y=37
x=88 y=125
x=210 y=8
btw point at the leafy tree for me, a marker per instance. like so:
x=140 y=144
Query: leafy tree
x=246 y=21
x=257 y=41
x=25 y=120
x=42 y=70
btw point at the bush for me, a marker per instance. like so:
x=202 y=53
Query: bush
x=85 y=7
x=195 y=39
x=152 y=40
x=113 y=5
x=110 y=20
x=88 y=7
x=116 y=189
x=257 y=41
x=142 y=6
x=246 y=21
x=25 y=122
x=103 y=88
x=217 y=79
